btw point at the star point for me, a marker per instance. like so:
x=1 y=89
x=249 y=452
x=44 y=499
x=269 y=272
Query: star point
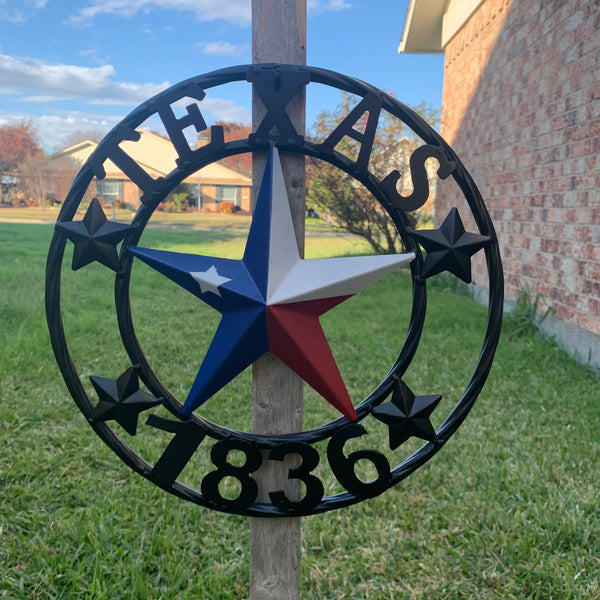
x=450 y=247
x=121 y=400
x=95 y=238
x=407 y=415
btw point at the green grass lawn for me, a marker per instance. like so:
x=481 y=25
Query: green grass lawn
x=185 y=220
x=509 y=509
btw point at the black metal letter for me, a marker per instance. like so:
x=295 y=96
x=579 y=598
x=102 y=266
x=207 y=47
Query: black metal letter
x=276 y=88
x=419 y=178
x=370 y=104
x=109 y=149
x=175 y=126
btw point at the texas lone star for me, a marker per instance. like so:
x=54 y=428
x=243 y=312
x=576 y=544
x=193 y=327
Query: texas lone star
x=271 y=300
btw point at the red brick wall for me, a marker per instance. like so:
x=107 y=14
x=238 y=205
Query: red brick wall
x=521 y=107
x=131 y=194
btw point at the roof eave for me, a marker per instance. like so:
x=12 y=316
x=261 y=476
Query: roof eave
x=422 y=33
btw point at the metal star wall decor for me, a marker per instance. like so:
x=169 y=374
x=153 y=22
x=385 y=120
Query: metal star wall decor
x=450 y=247
x=121 y=400
x=269 y=300
x=407 y=415
x=95 y=238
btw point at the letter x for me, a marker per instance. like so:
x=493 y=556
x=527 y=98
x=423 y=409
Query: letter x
x=276 y=89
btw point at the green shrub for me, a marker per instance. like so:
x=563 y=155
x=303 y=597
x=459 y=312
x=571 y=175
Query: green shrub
x=176 y=202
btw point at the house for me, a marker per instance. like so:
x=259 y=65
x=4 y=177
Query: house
x=521 y=107
x=211 y=185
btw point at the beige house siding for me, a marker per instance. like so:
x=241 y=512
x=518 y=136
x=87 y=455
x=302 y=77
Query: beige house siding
x=157 y=156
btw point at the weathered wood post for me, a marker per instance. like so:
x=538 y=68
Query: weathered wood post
x=278 y=35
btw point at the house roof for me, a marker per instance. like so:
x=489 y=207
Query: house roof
x=157 y=156
x=431 y=24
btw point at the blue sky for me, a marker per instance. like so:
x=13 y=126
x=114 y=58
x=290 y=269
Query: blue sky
x=77 y=66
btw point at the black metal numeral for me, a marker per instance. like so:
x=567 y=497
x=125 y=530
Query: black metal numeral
x=343 y=466
x=219 y=456
x=188 y=436
x=314 y=487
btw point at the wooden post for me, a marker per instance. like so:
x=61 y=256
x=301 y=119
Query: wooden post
x=278 y=35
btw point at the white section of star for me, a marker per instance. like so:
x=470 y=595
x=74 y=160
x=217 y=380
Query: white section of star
x=210 y=280
x=332 y=277
x=293 y=279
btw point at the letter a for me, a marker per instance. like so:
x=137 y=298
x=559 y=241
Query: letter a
x=370 y=104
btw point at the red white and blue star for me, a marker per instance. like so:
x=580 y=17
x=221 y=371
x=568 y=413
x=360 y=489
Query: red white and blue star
x=272 y=299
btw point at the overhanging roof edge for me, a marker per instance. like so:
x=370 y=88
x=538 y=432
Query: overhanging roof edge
x=422 y=33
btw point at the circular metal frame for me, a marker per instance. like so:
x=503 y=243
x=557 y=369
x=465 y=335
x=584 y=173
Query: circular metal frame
x=295 y=144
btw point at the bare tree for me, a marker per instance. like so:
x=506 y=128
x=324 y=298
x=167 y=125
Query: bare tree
x=95 y=135
x=17 y=142
x=34 y=178
x=62 y=173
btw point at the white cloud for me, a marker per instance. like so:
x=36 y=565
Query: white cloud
x=44 y=83
x=215 y=109
x=149 y=33
x=226 y=110
x=92 y=54
x=223 y=48
x=234 y=11
x=16 y=17
x=18 y=73
x=54 y=129
x=317 y=7
x=20 y=15
x=37 y=83
x=43 y=99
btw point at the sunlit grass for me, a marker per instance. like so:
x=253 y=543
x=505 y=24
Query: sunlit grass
x=508 y=509
x=184 y=220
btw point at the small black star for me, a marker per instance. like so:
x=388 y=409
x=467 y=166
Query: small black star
x=95 y=238
x=407 y=415
x=121 y=400
x=450 y=247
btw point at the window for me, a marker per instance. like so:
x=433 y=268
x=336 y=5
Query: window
x=228 y=193
x=109 y=189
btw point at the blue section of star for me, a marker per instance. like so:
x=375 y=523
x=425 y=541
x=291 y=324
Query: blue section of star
x=241 y=337
x=240 y=292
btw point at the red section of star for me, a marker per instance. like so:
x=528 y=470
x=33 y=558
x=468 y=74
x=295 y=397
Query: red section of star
x=297 y=338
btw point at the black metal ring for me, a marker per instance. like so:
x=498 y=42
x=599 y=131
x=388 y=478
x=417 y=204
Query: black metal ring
x=309 y=148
